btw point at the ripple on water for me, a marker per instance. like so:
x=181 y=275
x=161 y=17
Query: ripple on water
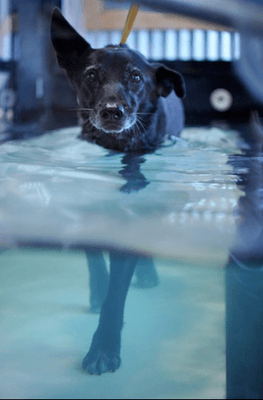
x=177 y=201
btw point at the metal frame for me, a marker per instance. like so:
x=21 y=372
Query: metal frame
x=30 y=52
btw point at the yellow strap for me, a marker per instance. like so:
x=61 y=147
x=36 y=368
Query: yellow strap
x=129 y=22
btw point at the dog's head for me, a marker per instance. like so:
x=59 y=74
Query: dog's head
x=116 y=87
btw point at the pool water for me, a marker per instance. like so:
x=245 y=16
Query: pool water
x=60 y=196
x=173 y=341
x=177 y=202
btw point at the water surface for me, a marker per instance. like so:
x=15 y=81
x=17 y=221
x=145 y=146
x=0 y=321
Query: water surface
x=176 y=202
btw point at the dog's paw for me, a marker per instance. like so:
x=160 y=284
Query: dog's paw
x=99 y=362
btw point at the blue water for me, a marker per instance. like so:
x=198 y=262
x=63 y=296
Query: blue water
x=176 y=202
x=60 y=195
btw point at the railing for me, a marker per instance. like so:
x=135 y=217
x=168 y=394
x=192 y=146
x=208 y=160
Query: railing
x=198 y=45
x=169 y=42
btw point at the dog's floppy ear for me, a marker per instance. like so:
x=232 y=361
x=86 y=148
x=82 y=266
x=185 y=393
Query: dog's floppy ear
x=69 y=45
x=167 y=80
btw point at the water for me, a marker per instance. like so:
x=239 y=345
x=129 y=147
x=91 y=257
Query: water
x=177 y=202
x=60 y=196
x=172 y=343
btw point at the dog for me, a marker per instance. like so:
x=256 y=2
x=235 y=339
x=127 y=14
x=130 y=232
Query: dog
x=126 y=103
x=130 y=105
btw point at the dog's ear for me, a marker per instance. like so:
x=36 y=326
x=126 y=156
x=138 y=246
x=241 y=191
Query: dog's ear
x=167 y=80
x=68 y=44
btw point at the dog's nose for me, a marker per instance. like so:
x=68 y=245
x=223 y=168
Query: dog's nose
x=112 y=112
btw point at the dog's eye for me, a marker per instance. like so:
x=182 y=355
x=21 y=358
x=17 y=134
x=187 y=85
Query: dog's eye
x=136 y=78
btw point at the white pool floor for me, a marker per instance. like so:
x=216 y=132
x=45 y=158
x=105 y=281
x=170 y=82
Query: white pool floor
x=172 y=343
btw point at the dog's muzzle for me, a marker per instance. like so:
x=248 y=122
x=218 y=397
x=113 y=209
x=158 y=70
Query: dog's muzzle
x=113 y=118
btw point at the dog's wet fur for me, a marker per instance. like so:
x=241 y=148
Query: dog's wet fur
x=130 y=105
x=125 y=103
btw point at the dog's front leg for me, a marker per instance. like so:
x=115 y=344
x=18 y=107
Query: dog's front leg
x=104 y=353
x=99 y=279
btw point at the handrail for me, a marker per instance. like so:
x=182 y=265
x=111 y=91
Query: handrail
x=234 y=13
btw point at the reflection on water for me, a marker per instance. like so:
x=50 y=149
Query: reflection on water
x=171 y=218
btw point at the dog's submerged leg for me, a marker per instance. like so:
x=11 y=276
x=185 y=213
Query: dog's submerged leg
x=146 y=273
x=104 y=353
x=99 y=279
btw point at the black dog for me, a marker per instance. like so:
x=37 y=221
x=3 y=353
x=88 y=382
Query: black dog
x=120 y=94
x=126 y=104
